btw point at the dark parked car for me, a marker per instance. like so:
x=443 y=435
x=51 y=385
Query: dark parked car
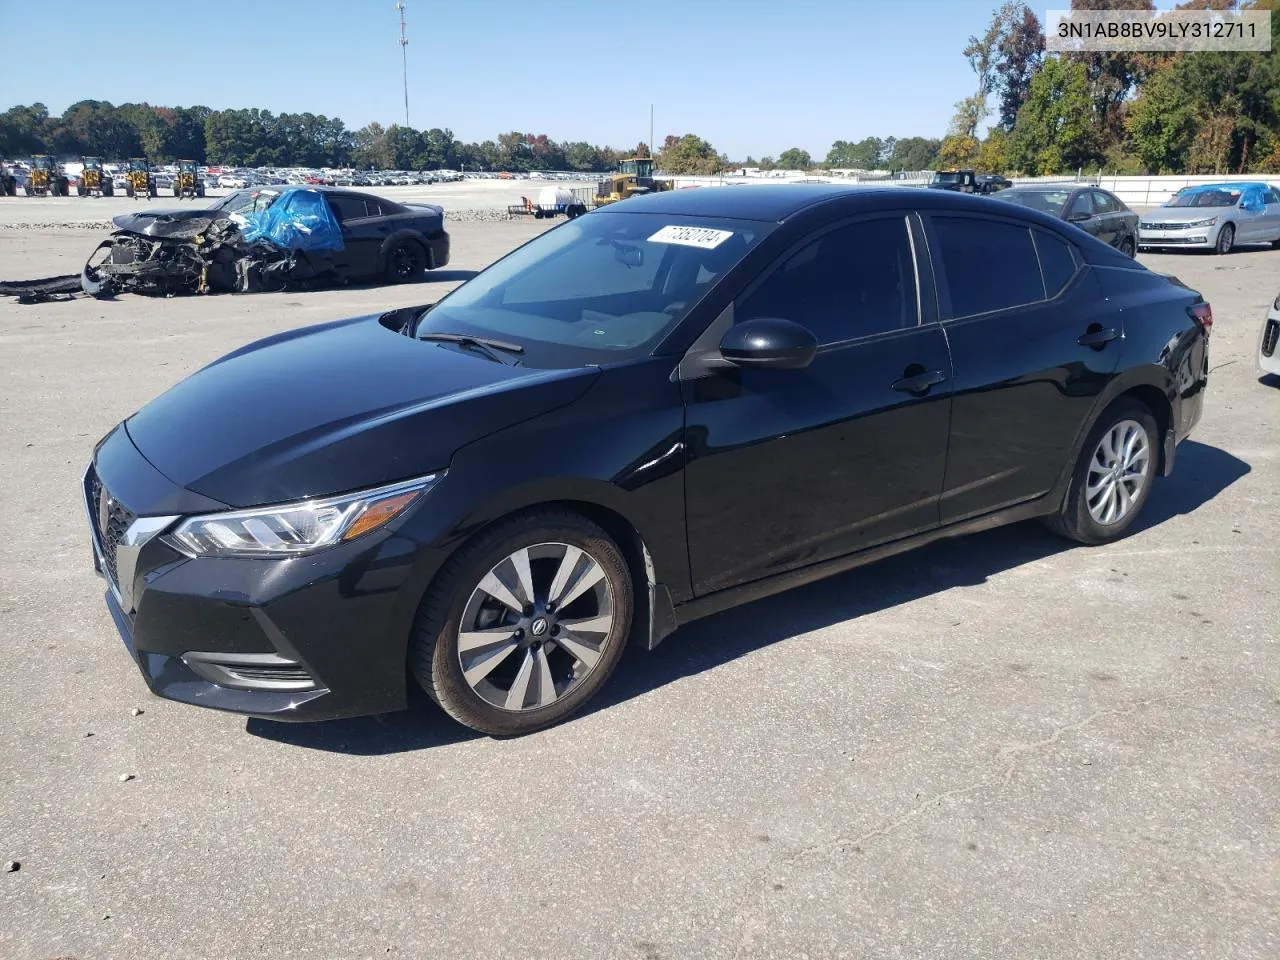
x=1092 y=209
x=381 y=238
x=645 y=415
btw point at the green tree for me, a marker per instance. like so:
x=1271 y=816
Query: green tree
x=993 y=153
x=689 y=154
x=24 y=130
x=863 y=155
x=914 y=153
x=795 y=159
x=1054 y=130
x=957 y=150
x=1162 y=123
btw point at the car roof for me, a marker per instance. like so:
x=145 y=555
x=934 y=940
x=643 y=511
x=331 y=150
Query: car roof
x=1046 y=187
x=776 y=203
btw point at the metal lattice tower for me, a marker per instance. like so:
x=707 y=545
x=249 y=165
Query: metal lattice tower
x=404 y=60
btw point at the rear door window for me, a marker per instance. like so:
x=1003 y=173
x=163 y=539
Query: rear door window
x=347 y=207
x=989 y=265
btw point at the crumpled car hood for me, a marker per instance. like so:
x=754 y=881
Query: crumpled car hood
x=177 y=224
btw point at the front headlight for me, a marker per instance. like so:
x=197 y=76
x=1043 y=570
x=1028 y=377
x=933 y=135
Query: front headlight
x=1201 y=223
x=294 y=529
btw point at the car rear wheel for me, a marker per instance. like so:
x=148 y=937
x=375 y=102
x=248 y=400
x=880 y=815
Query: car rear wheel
x=1226 y=239
x=1113 y=476
x=405 y=262
x=525 y=624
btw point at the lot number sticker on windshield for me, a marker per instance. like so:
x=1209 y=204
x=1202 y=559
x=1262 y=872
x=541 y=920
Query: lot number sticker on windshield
x=703 y=237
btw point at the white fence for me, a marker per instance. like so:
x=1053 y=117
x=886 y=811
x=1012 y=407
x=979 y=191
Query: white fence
x=1135 y=191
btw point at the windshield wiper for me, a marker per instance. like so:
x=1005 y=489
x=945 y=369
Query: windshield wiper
x=481 y=344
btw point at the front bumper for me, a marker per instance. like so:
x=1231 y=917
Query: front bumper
x=1269 y=344
x=307 y=638
x=1194 y=237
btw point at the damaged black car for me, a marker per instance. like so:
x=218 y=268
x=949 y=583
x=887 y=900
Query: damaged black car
x=267 y=239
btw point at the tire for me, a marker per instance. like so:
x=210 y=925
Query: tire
x=405 y=262
x=1127 y=247
x=108 y=188
x=1075 y=520
x=177 y=191
x=1226 y=240
x=128 y=190
x=456 y=604
x=81 y=191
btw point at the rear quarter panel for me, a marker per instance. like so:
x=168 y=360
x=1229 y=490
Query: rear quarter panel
x=1163 y=345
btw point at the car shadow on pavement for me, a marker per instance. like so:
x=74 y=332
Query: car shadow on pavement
x=1270 y=380
x=1201 y=473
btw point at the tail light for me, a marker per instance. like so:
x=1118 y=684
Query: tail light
x=1203 y=314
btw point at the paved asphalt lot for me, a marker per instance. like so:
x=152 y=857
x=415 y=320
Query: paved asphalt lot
x=995 y=747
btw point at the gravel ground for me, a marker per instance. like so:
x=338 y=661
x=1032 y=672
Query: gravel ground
x=994 y=747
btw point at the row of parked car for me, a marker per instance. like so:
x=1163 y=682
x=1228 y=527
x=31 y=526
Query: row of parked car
x=1213 y=217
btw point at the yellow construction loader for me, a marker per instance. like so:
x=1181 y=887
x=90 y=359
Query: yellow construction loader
x=187 y=183
x=634 y=177
x=46 y=178
x=138 y=179
x=94 y=181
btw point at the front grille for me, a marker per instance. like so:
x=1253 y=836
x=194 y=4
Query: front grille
x=1149 y=225
x=110 y=520
x=1270 y=335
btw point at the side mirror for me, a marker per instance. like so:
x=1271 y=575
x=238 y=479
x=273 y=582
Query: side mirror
x=769 y=342
x=1078 y=216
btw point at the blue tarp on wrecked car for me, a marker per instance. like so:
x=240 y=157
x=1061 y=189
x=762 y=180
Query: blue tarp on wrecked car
x=299 y=220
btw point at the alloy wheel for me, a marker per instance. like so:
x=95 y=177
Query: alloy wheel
x=1118 y=472
x=535 y=626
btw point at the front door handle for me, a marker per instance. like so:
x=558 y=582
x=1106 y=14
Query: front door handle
x=1097 y=336
x=919 y=383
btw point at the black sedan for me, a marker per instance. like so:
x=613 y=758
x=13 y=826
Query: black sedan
x=645 y=415
x=380 y=238
x=1092 y=209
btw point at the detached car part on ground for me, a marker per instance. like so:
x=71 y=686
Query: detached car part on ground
x=266 y=239
x=646 y=415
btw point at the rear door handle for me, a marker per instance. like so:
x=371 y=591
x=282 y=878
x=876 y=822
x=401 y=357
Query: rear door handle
x=1097 y=336
x=920 y=383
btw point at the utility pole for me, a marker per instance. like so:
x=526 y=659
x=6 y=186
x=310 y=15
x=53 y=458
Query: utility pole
x=404 y=60
x=651 y=129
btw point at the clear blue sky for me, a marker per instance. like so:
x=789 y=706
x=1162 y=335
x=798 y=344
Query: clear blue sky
x=751 y=76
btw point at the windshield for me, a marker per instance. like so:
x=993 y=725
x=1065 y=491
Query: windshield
x=1206 y=198
x=946 y=178
x=605 y=286
x=1046 y=201
x=247 y=201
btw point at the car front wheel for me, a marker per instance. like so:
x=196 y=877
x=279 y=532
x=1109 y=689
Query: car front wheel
x=1226 y=239
x=1112 y=477
x=525 y=624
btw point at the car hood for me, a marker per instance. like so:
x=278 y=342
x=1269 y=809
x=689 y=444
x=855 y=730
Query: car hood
x=333 y=408
x=167 y=223
x=1183 y=214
